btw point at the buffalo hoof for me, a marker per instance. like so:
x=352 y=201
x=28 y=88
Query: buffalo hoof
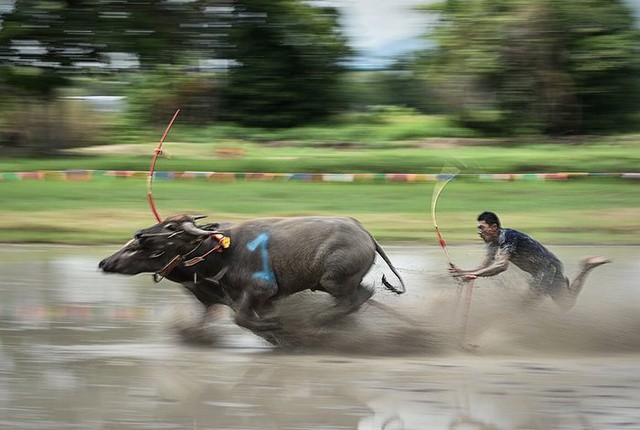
x=197 y=335
x=363 y=295
x=262 y=325
x=272 y=339
x=348 y=305
x=182 y=321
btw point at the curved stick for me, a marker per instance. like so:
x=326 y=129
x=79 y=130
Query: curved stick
x=157 y=152
x=452 y=172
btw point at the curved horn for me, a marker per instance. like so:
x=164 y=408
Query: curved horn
x=192 y=229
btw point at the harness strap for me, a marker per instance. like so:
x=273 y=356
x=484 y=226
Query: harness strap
x=223 y=242
x=159 y=276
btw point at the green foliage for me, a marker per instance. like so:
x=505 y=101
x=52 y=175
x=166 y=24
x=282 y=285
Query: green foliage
x=370 y=148
x=399 y=86
x=558 y=67
x=45 y=129
x=288 y=69
x=64 y=38
x=153 y=97
x=47 y=45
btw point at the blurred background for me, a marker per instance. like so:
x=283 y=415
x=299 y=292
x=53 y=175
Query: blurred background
x=495 y=68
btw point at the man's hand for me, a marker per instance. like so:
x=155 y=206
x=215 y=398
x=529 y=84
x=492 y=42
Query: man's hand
x=457 y=272
x=454 y=270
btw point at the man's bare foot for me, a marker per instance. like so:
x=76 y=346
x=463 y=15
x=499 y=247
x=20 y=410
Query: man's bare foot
x=591 y=262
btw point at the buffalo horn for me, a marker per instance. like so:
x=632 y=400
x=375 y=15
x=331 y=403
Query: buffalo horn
x=191 y=228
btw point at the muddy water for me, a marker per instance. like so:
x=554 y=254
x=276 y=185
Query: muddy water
x=79 y=349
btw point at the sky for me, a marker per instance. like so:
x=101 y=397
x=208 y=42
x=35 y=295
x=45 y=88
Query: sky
x=374 y=24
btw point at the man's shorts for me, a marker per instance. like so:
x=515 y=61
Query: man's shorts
x=550 y=280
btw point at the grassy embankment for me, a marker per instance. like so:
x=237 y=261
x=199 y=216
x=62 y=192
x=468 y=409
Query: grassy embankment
x=108 y=210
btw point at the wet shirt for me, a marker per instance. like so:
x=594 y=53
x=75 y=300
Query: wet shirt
x=524 y=251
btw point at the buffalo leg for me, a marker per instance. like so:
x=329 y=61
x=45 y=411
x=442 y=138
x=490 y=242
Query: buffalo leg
x=208 y=293
x=350 y=293
x=250 y=310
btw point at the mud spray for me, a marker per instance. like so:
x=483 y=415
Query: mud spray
x=429 y=319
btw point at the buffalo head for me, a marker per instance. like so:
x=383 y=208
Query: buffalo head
x=151 y=249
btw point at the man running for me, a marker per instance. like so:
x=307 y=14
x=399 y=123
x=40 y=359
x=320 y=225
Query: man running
x=505 y=245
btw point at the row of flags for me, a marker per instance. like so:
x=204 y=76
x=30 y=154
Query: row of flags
x=87 y=175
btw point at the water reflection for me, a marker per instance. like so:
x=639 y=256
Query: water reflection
x=79 y=349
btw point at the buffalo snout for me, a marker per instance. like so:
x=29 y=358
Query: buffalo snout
x=110 y=264
x=104 y=265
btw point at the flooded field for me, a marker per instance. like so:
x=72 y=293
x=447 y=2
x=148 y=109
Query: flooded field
x=83 y=350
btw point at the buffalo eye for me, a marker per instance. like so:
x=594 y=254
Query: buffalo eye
x=138 y=235
x=171 y=227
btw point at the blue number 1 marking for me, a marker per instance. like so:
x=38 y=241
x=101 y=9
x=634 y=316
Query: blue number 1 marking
x=266 y=274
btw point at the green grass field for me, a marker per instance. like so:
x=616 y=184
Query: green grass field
x=109 y=210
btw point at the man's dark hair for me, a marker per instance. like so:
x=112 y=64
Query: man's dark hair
x=490 y=218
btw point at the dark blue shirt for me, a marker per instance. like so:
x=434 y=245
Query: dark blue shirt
x=524 y=251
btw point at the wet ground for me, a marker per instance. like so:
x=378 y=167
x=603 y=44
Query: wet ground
x=80 y=349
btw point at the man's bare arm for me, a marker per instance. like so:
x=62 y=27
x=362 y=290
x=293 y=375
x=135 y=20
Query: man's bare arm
x=499 y=264
x=491 y=266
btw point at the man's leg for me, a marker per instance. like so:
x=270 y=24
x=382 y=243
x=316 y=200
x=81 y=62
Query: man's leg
x=587 y=265
x=538 y=289
x=565 y=293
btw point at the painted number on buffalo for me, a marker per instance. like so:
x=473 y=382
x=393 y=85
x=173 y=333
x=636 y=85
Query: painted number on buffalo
x=260 y=244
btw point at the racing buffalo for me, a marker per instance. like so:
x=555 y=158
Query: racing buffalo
x=248 y=266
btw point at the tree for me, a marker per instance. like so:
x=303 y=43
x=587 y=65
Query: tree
x=545 y=66
x=45 y=44
x=61 y=39
x=287 y=56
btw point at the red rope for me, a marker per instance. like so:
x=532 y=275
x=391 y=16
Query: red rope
x=157 y=152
